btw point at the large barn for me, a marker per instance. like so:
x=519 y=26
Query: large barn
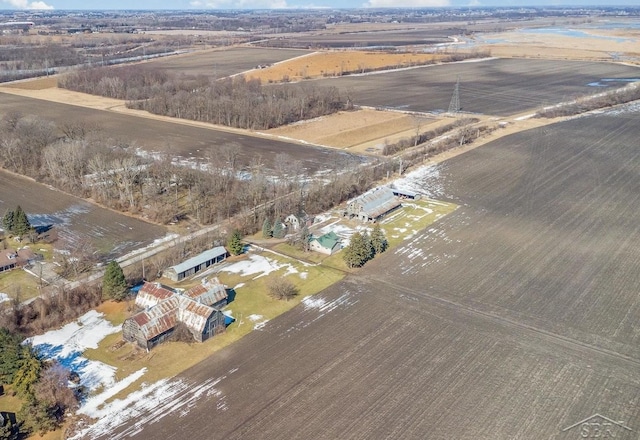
x=196 y=264
x=163 y=308
x=373 y=204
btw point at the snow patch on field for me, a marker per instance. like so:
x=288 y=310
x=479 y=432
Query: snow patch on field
x=158 y=241
x=4 y=297
x=67 y=344
x=91 y=406
x=259 y=320
x=167 y=397
x=321 y=306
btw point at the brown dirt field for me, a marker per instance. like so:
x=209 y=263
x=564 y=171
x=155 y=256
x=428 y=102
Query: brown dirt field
x=352 y=130
x=336 y=63
x=48 y=90
x=512 y=318
x=222 y=62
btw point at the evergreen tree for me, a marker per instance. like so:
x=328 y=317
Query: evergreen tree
x=21 y=225
x=27 y=376
x=234 y=244
x=114 y=284
x=12 y=355
x=7 y=221
x=367 y=246
x=304 y=236
x=266 y=228
x=278 y=229
x=378 y=239
x=7 y=432
x=359 y=250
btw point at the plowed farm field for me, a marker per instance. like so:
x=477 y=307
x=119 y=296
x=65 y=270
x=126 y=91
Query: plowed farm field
x=221 y=63
x=74 y=220
x=498 y=87
x=178 y=139
x=363 y=39
x=515 y=317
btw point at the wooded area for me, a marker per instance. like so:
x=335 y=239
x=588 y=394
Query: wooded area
x=234 y=102
x=86 y=162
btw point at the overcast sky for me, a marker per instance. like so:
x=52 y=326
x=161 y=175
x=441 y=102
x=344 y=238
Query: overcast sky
x=249 y=4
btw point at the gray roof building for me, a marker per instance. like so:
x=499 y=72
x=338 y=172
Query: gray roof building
x=373 y=204
x=196 y=264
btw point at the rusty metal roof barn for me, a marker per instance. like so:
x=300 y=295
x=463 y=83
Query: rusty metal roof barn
x=158 y=319
x=208 y=293
x=198 y=308
x=194 y=314
x=152 y=293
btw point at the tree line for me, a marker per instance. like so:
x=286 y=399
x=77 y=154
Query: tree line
x=234 y=102
x=390 y=149
x=86 y=162
x=587 y=103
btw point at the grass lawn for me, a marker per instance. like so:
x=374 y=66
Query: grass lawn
x=18 y=283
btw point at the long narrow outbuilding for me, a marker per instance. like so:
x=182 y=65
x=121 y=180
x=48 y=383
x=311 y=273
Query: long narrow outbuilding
x=195 y=264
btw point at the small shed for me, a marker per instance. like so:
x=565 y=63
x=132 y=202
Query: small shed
x=196 y=264
x=327 y=244
x=405 y=194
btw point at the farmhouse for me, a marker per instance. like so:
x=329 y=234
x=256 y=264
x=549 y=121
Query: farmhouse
x=328 y=243
x=163 y=308
x=11 y=259
x=196 y=264
x=373 y=204
x=295 y=221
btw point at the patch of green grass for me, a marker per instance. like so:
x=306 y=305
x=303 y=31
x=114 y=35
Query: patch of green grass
x=19 y=284
x=414 y=216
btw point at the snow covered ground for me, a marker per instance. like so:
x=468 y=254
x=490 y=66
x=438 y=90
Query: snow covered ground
x=68 y=343
x=257 y=265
